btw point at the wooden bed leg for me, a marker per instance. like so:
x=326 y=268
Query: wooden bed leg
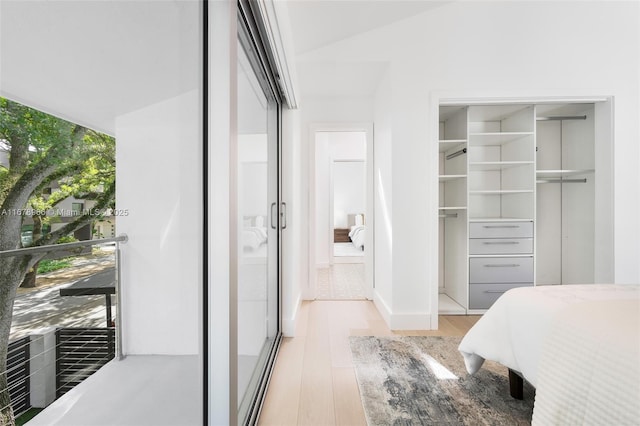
x=516 y=385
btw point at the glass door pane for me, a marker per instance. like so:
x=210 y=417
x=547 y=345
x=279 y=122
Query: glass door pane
x=258 y=227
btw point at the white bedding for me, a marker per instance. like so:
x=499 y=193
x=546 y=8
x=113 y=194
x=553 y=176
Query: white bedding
x=253 y=237
x=357 y=235
x=531 y=330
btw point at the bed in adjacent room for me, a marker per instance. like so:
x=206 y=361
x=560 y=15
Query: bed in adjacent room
x=578 y=345
x=357 y=230
x=254 y=233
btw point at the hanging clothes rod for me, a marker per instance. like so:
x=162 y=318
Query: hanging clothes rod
x=456 y=154
x=445 y=215
x=562 y=117
x=561 y=180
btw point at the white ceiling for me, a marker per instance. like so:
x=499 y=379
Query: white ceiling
x=90 y=61
x=316 y=24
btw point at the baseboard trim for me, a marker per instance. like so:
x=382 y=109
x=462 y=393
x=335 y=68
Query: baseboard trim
x=290 y=325
x=410 y=322
x=401 y=321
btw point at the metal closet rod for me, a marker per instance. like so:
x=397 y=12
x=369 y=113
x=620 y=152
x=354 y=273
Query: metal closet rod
x=562 y=117
x=456 y=154
x=448 y=215
x=561 y=180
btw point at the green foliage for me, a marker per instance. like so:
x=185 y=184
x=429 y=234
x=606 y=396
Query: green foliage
x=66 y=239
x=49 y=265
x=53 y=160
x=24 y=418
x=44 y=152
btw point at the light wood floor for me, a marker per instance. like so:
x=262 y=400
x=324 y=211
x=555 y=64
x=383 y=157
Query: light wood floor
x=314 y=381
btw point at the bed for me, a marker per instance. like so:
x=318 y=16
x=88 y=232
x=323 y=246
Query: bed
x=357 y=230
x=254 y=233
x=578 y=345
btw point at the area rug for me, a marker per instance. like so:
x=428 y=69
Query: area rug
x=422 y=381
x=341 y=281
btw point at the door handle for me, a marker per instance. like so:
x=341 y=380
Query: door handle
x=502 y=265
x=500 y=242
x=283 y=215
x=273 y=216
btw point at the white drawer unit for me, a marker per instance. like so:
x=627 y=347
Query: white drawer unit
x=482 y=296
x=501 y=246
x=501 y=269
x=501 y=229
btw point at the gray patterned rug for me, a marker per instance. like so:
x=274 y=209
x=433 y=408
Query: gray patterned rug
x=422 y=381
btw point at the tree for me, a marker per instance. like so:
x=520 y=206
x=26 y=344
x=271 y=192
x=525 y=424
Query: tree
x=42 y=149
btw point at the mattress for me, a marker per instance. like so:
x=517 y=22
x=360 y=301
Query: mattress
x=566 y=340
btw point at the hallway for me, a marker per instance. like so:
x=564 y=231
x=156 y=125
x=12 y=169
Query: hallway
x=314 y=381
x=341 y=281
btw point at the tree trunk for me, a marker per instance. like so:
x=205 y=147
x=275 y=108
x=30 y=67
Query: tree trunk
x=14 y=270
x=6 y=413
x=30 y=279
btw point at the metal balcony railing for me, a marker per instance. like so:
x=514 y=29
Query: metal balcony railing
x=57 y=339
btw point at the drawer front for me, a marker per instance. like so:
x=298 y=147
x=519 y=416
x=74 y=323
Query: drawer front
x=501 y=230
x=501 y=270
x=501 y=245
x=482 y=296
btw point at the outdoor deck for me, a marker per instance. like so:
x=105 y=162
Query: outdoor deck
x=139 y=390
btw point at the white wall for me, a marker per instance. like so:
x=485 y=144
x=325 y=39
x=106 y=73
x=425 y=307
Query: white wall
x=161 y=262
x=487 y=49
x=222 y=119
x=349 y=195
x=294 y=275
x=383 y=195
x=322 y=199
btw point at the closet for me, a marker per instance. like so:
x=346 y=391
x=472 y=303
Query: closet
x=452 y=147
x=565 y=194
x=523 y=198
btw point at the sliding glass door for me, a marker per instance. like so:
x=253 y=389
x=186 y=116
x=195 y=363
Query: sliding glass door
x=258 y=226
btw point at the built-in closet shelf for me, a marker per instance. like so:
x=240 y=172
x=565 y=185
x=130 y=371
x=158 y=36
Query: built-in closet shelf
x=497 y=138
x=561 y=173
x=452 y=208
x=497 y=165
x=500 y=191
x=447 y=178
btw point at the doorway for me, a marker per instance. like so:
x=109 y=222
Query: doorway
x=341 y=234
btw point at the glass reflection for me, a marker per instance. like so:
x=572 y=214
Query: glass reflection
x=257 y=233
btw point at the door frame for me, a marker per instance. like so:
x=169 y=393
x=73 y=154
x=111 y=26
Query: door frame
x=604 y=133
x=368 y=129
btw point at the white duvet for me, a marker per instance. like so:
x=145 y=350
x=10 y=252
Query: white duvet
x=357 y=235
x=253 y=237
x=564 y=340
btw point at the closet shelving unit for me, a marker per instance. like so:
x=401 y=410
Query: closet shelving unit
x=501 y=162
x=501 y=205
x=523 y=199
x=566 y=208
x=487 y=177
x=453 y=172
